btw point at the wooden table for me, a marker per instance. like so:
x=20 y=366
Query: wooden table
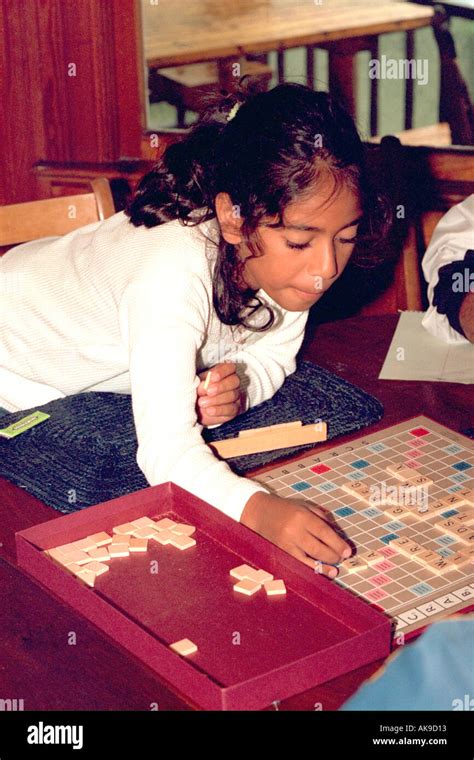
x=191 y=31
x=36 y=662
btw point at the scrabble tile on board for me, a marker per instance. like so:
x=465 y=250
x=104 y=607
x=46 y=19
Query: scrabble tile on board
x=275 y=588
x=466 y=516
x=371 y=557
x=359 y=489
x=184 y=647
x=453 y=500
x=420 y=513
x=438 y=506
x=395 y=511
x=138 y=545
x=400 y=471
x=459 y=559
x=125 y=529
x=419 y=480
x=411 y=549
x=354 y=564
x=440 y=565
x=247 y=587
x=467 y=494
x=182 y=542
x=183 y=530
x=165 y=524
x=425 y=556
x=242 y=571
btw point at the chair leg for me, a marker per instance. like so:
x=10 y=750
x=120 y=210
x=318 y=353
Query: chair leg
x=410 y=55
x=374 y=89
x=310 y=66
x=281 y=66
x=181 y=115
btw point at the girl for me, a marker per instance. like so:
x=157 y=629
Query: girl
x=231 y=238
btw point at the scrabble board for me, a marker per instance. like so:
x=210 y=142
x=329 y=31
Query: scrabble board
x=384 y=524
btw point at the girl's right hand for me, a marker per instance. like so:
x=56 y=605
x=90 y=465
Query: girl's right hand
x=299 y=528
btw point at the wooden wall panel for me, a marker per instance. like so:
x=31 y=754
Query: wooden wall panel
x=22 y=139
x=72 y=87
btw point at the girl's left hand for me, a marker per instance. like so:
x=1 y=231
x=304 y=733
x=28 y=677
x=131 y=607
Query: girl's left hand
x=223 y=399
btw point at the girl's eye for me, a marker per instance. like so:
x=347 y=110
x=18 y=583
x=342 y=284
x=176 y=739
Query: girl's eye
x=298 y=246
x=348 y=241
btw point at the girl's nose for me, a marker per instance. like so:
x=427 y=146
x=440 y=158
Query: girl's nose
x=323 y=261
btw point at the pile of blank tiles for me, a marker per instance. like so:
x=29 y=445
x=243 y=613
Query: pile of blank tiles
x=87 y=557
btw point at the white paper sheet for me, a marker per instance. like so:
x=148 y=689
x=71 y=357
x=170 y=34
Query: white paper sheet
x=415 y=354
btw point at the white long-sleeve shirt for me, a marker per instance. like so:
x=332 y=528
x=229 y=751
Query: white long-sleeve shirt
x=452 y=237
x=113 y=307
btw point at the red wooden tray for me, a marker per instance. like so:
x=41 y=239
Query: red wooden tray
x=252 y=651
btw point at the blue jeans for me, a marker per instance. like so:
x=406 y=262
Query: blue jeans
x=3 y=411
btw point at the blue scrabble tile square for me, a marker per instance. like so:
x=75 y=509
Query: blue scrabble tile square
x=389 y=537
x=356 y=475
x=395 y=525
x=453 y=449
x=328 y=486
x=344 y=512
x=372 y=512
x=459 y=477
x=376 y=447
x=445 y=552
x=462 y=466
x=302 y=485
x=421 y=589
x=449 y=513
x=359 y=464
x=445 y=540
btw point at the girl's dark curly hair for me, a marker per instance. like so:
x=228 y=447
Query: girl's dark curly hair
x=271 y=153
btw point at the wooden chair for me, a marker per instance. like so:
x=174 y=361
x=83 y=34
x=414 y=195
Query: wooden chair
x=430 y=182
x=22 y=222
x=186 y=87
x=424 y=183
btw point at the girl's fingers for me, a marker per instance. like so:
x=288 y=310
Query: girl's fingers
x=218 y=414
x=319 y=567
x=222 y=398
x=320 y=530
x=227 y=384
x=318 y=550
x=220 y=371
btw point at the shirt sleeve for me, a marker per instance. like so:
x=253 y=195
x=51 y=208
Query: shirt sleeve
x=264 y=365
x=164 y=324
x=446 y=269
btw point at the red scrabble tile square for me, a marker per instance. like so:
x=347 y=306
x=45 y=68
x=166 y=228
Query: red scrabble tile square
x=320 y=468
x=419 y=432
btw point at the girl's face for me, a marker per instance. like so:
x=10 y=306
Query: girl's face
x=303 y=258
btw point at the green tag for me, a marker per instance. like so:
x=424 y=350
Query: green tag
x=16 y=428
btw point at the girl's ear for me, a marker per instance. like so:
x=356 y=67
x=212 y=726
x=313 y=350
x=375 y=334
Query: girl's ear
x=229 y=218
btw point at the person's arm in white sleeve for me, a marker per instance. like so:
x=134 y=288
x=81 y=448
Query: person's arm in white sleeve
x=164 y=325
x=264 y=365
x=448 y=266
